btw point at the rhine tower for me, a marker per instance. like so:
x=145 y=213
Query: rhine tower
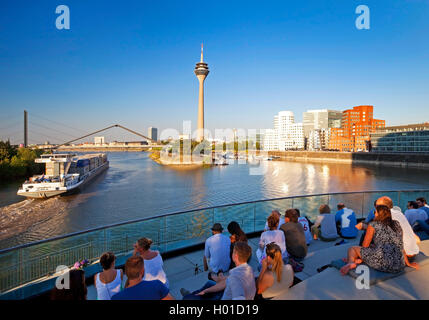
x=201 y=71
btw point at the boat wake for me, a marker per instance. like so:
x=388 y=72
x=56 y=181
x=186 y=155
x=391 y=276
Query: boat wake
x=19 y=217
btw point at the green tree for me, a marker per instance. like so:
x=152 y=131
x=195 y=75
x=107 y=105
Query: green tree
x=6 y=150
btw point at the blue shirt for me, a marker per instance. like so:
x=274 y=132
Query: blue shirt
x=426 y=209
x=145 y=290
x=370 y=216
x=347 y=219
x=217 y=252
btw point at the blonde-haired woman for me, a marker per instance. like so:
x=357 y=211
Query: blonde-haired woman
x=276 y=277
x=152 y=261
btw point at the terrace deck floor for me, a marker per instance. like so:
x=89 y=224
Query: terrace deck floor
x=180 y=270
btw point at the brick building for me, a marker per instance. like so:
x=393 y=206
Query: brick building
x=356 y=126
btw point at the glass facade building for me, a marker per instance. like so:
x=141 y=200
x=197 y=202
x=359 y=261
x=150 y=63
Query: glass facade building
x=409 y=138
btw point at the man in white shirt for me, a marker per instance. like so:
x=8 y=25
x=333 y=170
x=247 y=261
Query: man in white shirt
x=408 y=236
x=217 y=250
x=413 y=214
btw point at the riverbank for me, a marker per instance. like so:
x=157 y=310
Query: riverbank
x=403 y=160
x=18 y=163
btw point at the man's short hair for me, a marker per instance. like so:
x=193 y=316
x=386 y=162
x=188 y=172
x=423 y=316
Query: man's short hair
x=421 y=199
x=292 y=215
x=298 y=212
x=341 y=206
x=243 y=251
x=413 y=204
x=133 y=267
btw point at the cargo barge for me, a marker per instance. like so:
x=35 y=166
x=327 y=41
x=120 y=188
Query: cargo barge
x=64 y=174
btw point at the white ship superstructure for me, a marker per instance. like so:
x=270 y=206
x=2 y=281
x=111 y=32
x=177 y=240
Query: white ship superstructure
x=64 y=173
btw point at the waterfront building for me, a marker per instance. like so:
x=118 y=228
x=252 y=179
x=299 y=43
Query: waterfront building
x=286 y=135
x=318 y=139
x=356 y=126
x=135 y=143
x=271 y=142
x=99 y=140
x=405 y=138
x=152 y=133
x=201 y=71
x=320 y=119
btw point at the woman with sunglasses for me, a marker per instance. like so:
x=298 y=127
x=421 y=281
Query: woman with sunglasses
x=386 y=252
x=275 y=277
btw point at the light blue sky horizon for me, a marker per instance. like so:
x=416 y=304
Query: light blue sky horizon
x=132 y=63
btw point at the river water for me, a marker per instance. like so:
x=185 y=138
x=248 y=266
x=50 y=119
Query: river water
x=134 y=187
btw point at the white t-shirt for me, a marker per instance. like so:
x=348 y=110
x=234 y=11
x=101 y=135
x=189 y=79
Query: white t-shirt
x=410 y=242
x=413 y=215
x=217 y=252
x=304 y=222
x=276 y=236
x=153 y=270
x=240 y=284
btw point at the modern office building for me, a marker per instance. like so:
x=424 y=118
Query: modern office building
x=99 y=140
x=406 y=138
x=356 y=126
x=318 y=139
x=320 y=119
x=152 y=133
x=271 y=141
x=286 y=134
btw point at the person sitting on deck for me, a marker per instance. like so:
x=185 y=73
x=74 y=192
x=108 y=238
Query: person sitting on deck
x=275 y=277
x=409 y=238
x=216 y=251
x=414 y=213
x=238 y=285
x=153 y=264
x=139 y=289
x=324 y=227
x=109 y=281
x=371 y=214
x=272 y=235
x=237 y=234
x=362 y=226
x=346 y=220
x=281 y=221
x=387 y=253
x=306 y=225
x=296 y=244
x=76 y=290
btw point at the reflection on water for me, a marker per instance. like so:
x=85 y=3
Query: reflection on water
x=136 y=187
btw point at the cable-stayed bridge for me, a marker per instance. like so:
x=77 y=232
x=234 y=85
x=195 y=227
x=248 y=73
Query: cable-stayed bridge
x=41 y=132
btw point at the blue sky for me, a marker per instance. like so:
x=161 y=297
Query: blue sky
x=131 y=62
